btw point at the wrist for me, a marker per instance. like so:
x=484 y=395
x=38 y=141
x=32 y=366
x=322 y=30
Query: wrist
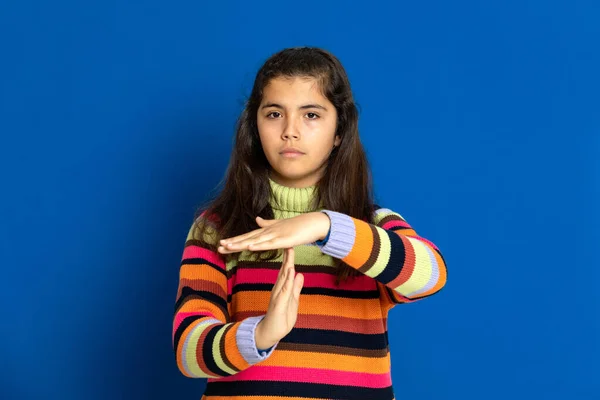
x=262 y=343
x=326 y=225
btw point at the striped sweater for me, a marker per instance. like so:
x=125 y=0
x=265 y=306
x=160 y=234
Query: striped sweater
x=338 y=348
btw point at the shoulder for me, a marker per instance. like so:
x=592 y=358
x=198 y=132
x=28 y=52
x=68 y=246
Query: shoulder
x=211 y=218
x=383 y=215
x=205 y=227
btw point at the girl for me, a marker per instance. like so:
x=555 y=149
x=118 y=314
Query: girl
x=287 y=277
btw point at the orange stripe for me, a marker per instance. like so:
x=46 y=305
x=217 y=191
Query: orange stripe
x=203 y=271
x=312 y=321
x=202 y=285
x=258 y=302
x=231 y=350
x=341 y=362
x=363 y=245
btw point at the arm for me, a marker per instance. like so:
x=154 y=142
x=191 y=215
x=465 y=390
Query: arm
x=409 y=267
x=206 y=343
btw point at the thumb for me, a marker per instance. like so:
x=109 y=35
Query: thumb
x=264 y=222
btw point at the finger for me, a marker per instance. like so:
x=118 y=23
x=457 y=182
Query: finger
x=268 y=243
x=234 y=247
x=290 y=275
x=298 y=283
x=223 y=250
x=290 y=259
x=240 y=237
x=243 y=244
x=282 y=274
x=240 y=240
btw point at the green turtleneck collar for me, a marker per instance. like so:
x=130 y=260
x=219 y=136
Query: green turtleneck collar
x=286 y=198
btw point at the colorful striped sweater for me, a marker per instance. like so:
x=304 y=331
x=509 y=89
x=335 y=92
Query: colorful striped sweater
x=338 y=348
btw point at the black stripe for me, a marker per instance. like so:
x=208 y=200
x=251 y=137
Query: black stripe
x=267 y=287
x=202 y=261
x=183 y=326
x=396 y=261
x=224 y=351
x=207 y=351
x=371 y=341
x=187 y=291
x=297 y=389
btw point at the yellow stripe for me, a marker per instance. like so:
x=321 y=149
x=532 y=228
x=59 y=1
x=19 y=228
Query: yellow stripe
x=190 y=354
x=422 y=271
x=384 y=255
x=217 y=351
x=434 y=267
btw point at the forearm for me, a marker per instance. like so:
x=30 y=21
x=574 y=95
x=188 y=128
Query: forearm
x=406 y=263
x=211 y=349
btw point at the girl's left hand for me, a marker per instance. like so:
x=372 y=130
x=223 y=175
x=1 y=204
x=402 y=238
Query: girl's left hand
x=279 y=233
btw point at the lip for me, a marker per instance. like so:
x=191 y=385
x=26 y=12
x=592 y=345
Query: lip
x=290 y=150
x=291 y=154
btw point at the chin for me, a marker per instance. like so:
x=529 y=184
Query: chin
x=295 y=176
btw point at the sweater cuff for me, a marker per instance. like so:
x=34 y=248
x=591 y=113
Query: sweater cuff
x=342 y=235
x=246 y=342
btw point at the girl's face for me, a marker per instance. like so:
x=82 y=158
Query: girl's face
x=294 y=114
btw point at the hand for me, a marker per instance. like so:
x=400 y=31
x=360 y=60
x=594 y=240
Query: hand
x=280 y=233
x=283 y=305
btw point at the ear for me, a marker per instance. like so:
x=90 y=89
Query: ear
x=337 y=140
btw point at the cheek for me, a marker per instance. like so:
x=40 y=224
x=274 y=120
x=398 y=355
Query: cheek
x=267 y=132
x=322 y=131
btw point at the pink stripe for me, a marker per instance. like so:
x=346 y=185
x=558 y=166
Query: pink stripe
x=311 y=375
x=200 y=252
x=395 y=224
x=312 y=279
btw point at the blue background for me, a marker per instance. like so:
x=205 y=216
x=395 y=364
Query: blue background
x=481 y=122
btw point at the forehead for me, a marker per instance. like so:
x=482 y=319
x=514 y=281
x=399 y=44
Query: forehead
x=293 y=89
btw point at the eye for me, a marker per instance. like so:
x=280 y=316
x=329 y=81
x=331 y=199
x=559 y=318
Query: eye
x=312 y=116
x=274 y=112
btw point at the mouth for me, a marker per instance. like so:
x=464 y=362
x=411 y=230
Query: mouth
x=291 y=154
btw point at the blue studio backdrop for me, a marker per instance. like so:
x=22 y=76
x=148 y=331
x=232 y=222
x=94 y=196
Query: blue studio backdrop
x=481 y=121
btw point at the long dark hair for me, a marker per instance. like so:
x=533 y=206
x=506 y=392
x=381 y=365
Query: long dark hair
x=346 y=185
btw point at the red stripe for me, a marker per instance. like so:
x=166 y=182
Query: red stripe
x=311 y=279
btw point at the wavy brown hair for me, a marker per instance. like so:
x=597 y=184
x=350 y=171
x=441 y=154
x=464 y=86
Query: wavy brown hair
x=346 y=185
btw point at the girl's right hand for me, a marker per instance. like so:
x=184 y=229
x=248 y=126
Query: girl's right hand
x=283 y=305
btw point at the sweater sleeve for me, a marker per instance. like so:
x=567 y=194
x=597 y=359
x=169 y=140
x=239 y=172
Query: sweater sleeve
x=206 y=342
x=407 y=266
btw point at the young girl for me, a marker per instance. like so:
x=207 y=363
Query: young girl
x=287 y=277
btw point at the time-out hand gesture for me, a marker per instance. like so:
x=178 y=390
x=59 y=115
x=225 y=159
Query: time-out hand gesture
x=279 y=233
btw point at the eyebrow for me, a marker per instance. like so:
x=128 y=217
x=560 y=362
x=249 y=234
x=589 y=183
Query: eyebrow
x=304 y=107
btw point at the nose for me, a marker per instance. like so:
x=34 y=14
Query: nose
x=290 y=130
